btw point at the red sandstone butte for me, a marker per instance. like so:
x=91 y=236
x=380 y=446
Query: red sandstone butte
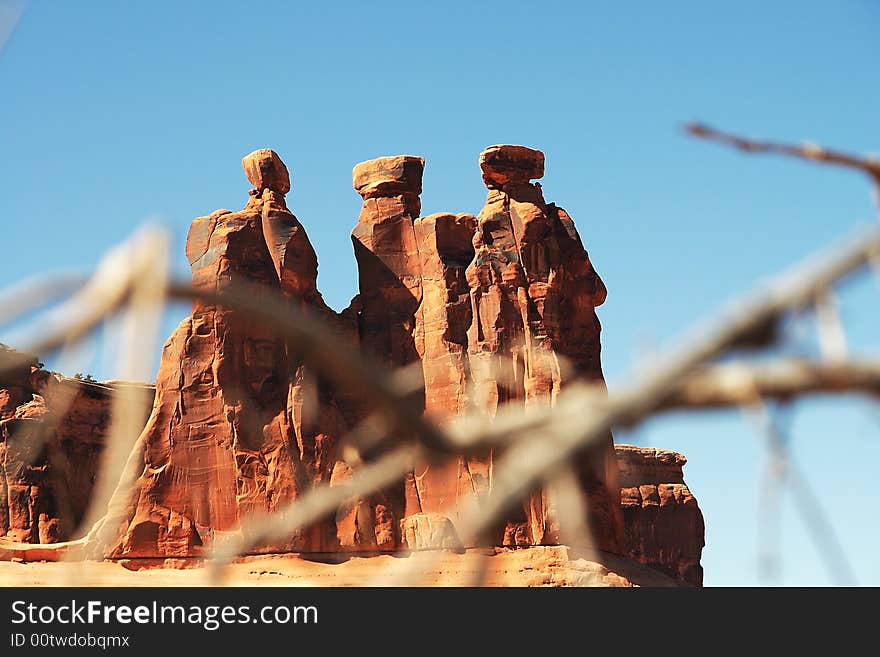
x=52 y=434
x=663 y=524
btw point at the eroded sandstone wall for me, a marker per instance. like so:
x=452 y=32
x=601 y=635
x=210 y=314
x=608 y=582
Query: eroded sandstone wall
x=51 y=444
x=663 y=525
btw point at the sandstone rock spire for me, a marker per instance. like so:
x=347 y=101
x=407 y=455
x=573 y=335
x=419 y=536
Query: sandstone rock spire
x=533 y=293
x=389 y=278
x=230 y=433
x=387 y=254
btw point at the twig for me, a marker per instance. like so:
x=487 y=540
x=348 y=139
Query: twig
x=139 y=330
x=731 y=384
x=537 y=442
x=572 y=509
x=34 y=293
x=807 y=151
x=816 y=521
x=832 y=337
x=523 y=466
x=10 y=13
x=107 y=290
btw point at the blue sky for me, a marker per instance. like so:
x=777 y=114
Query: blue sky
x=115 y=112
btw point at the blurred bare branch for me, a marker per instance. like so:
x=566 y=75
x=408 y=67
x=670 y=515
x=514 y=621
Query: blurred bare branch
x=521 y=467
x=140 y=328
x=806 y=501
x=36 y=292
x=10 y=14
x=717 y=386
x=814 y=152
x=832 y=337
x=108 y=289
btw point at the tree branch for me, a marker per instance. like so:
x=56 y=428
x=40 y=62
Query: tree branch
x=812 y=152
x=733 y=384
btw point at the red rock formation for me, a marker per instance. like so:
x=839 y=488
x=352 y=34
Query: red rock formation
x=499 y=323
x=445 y=248
x=663 y=525
x=50 y=448
x=312 y=407
x=389 y=272
x=533 y=292
x=442 y=320
x=232 y=432
x=415 y=307
x=491 y=310
x=33 y=515
x=15 y=387
x=387 y=253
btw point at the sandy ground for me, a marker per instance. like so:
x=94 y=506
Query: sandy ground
x=538 y=566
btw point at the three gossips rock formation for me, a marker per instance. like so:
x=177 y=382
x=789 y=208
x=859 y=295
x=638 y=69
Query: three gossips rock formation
x=494 y=309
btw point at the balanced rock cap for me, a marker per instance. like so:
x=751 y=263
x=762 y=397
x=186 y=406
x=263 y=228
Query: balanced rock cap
x=389 y=176
x=504 y=164
x=265 y=170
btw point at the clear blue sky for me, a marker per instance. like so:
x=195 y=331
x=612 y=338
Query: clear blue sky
x=115 y=112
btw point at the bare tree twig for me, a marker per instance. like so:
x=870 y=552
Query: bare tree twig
x=108 y=289
x=783 y=379
x=140 y=328
x=813 y=515
x=832 y=337
x=806 y=151
x=10 y=13
x=34 y=293
x=572 y=511
x=528 y=460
